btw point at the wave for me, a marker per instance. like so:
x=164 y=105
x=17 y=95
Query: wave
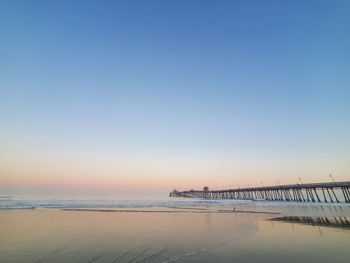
x=13 y=202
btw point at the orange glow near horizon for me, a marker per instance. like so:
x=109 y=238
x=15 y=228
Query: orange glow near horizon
x=103 y=174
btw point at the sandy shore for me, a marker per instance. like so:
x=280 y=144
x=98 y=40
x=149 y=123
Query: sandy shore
x=186 y=234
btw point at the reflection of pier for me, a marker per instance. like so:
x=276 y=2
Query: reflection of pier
x=318 y=221
x=317 y=192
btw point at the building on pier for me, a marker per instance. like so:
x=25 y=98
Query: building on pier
x=316 y=192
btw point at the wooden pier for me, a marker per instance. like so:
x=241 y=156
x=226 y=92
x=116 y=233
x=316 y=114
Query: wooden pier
x=316 y=192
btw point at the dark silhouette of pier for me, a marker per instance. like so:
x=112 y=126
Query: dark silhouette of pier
x=316 y=192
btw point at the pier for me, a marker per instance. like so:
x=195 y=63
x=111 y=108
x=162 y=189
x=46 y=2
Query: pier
x=333 y=192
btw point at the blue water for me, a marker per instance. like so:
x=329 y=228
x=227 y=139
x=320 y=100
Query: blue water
x=31 y=202
x=59 y=202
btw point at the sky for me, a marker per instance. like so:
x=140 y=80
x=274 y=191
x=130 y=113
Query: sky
x=141 y=97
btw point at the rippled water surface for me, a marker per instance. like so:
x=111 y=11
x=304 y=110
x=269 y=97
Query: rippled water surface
x=124 y=229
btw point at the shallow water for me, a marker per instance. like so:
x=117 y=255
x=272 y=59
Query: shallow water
x=30 y=202
x=209 y=232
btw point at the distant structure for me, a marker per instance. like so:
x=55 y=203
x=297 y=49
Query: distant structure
x=191 y=193
x=174 y=193
x=316 y=192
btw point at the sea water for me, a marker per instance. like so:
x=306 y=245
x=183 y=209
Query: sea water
x=163 y=229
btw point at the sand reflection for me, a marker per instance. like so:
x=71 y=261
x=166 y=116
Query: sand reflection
x=198 y=235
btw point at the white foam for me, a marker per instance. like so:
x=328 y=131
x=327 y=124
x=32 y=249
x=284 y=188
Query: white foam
x=170 y=260
x=12 y=202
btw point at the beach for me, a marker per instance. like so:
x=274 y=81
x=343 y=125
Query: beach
x=174 y=131
x=245 y=232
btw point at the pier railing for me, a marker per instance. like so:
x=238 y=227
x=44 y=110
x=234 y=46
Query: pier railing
x=316 y=192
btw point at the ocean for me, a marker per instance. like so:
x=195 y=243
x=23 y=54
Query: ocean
x=163 y=229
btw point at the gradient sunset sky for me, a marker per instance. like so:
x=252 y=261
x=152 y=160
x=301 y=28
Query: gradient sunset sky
x=126 y=97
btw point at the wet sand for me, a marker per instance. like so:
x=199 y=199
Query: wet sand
x=186 y=234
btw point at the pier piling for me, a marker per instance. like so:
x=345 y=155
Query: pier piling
x=336 y=191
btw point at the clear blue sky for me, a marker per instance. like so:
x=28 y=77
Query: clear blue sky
x=199 y=88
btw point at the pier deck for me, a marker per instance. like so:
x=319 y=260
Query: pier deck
x=315 y=192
